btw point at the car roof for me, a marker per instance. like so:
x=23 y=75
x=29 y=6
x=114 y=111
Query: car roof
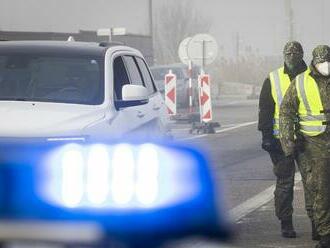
x=57 y=47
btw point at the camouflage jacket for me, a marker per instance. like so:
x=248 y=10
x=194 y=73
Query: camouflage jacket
x=318 y=146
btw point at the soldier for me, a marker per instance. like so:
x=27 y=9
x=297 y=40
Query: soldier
x=308 y=98
x=273 y=90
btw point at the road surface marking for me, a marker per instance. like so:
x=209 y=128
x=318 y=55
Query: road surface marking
x=247 y=207
x=223 y=130
x=237 y=126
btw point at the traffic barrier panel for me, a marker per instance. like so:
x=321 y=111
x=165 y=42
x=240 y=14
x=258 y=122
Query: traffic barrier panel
x=170 y=93
x=205 y=104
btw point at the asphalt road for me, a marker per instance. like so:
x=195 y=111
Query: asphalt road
x=245 y=173
x=234 y=152
x=242 y=168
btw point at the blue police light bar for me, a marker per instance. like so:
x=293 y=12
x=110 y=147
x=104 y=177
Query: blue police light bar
x=130 y=191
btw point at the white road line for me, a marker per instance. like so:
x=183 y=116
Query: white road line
x=237 y=126
x=247 y=207
x=195 y=137
x=223 y=130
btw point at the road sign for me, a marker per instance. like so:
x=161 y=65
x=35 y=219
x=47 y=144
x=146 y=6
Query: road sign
x=182 y=51
x=205 y=98
x=170 y=93
x=111 y=31
x=104 y=32
x=202 y=49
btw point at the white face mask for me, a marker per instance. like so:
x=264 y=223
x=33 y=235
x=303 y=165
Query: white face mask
x=323 y=68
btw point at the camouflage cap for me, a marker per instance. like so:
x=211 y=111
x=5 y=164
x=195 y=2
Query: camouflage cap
x=293 y=47
x=321 y=54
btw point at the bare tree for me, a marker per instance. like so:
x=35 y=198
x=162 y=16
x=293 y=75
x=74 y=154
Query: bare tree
x=175 y=21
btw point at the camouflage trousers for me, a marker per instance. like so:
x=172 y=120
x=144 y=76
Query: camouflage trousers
x=320 y=181
x=304 y=165
x=284 y=170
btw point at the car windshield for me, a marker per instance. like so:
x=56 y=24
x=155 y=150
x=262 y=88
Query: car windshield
x=44 y=78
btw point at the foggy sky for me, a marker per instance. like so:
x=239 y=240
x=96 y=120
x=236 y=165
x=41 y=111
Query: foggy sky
x=74 y=15
x=261 y=24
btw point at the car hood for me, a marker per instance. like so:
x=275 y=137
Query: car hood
x=26 y=119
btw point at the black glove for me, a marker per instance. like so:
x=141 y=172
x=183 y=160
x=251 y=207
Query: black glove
x=269 y=145
x=284 y=167
x=272 y=145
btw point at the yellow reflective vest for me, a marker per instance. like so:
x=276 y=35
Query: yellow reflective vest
x=280 y=83
x=312 y=119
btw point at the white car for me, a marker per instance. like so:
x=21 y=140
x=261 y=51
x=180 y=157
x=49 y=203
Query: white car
x=58 y=90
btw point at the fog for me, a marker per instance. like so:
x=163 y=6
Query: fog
x=263 y=24
x=249 y=33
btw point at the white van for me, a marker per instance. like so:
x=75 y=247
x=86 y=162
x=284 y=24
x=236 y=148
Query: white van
x=62 y=90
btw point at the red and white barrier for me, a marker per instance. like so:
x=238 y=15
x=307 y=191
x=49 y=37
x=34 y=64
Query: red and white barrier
x=205 y=98
x=170 y=93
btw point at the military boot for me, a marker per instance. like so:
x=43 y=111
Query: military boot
x=315 y=235
x=324 y=242
x=287 y=229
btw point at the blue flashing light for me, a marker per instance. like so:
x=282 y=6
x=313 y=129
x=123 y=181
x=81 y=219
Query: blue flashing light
x=121 y=176
x=126 y=188
x=71 y=178
x=98 y=175
x=147 y=183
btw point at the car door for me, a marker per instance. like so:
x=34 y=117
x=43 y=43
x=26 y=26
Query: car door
x=129 y=120
x=157 y=116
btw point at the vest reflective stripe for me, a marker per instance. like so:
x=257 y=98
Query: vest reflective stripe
x=313 y=118
x=280 y=83
x=277 y=84
x=312 y=128
x=301 y=82
x=310 y=110
x=276 y=133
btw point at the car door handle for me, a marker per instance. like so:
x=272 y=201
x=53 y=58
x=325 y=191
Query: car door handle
x=140 y=114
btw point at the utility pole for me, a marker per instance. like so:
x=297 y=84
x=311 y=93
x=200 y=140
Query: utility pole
x=237 y=46
x=150 y=19
x=237 y=51
x=289 y=16
x=151 y=28
x=323 y=21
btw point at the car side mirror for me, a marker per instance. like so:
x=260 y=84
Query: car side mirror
x=132 y=95
x=132 y=92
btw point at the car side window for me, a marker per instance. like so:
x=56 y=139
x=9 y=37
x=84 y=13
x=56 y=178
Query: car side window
x=146 y=76
x=120 y=77
x=133 y=71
